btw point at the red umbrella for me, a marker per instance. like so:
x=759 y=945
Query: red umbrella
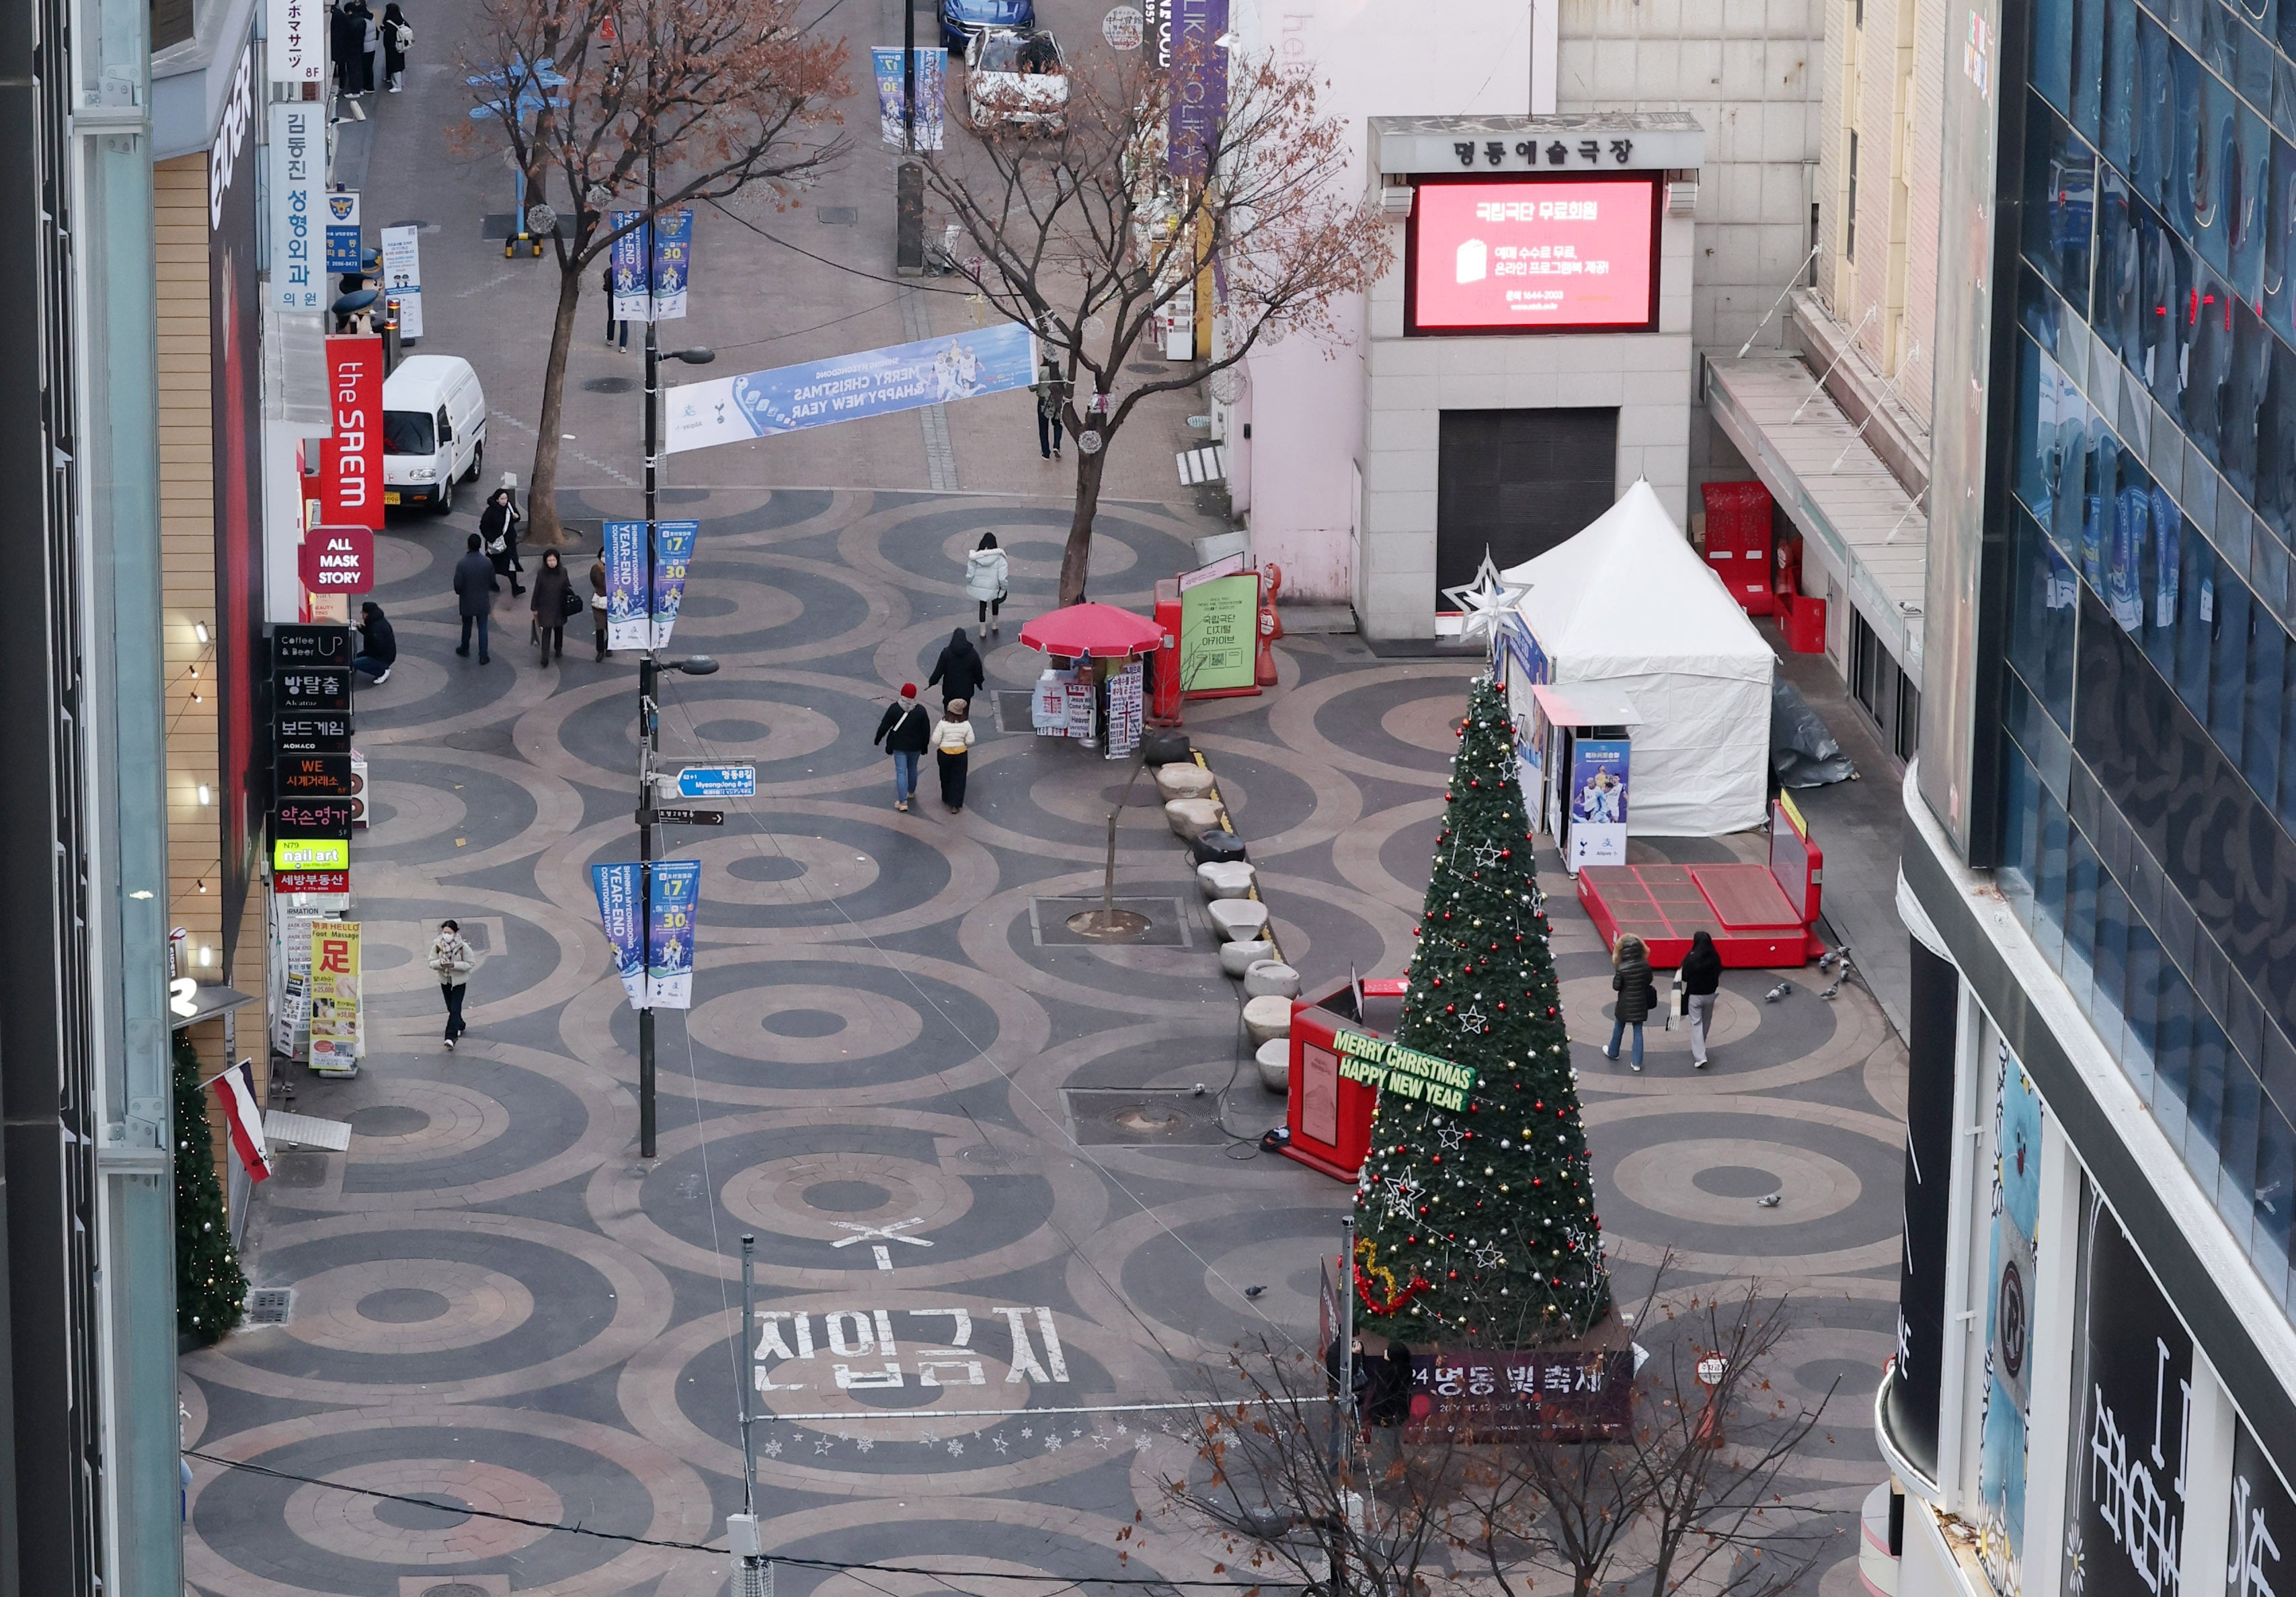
x=1092 y=631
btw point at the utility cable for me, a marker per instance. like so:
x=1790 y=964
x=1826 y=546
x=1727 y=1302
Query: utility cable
x=838 y=265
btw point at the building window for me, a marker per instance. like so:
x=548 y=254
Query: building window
x=1849 y=207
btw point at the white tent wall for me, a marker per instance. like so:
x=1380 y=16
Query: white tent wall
x=1701 y=762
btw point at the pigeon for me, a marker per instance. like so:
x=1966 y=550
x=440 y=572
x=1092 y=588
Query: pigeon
x=1826 y=961
x=1770 y=1202
x=1778 y=992
x=1253 y=1291
x=1199 y=1091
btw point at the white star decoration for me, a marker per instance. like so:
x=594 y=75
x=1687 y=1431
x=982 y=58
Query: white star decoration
x=1488 y=1257
x=1482 y=602
x=1452 y=1138
x=1487 y=856
x=1401 y=1195
x=1472 y=1020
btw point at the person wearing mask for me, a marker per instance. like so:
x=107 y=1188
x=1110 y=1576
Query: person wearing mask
x=553 y=600
x=1630 y=979
x=598 y=601
x=451 y=959
x=378 y=644
x=904 y=730
x=498 y=526
x=397 y=39
x=475 y=588
x=1701 y=975
x=1051 y=393
x=959 y=672
x=952 y=743
x=986 y=571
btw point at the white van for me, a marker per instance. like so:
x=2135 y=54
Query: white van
x=434 y=430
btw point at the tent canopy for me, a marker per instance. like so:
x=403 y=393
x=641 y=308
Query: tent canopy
x=1627 y=603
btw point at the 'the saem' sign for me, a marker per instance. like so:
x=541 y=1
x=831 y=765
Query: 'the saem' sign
x=1392 y=1068
x=350 y=461
x=338 y=559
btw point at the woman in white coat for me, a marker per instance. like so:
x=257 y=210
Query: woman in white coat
x=985 y=573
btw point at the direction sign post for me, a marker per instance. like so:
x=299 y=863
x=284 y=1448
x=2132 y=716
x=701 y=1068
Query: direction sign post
x=681 y=817
x=718 y=781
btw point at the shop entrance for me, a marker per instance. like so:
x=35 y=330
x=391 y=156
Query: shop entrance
x=1518 y=482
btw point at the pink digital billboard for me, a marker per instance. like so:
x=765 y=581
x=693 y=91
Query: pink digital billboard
x=1536 y=255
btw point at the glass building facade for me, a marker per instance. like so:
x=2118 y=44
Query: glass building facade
x=2149 y=706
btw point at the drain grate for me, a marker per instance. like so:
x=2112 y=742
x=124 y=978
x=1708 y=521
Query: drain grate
x=1105 y=1117
x=1048 y=922
x=270 y=1306
x=839 y=216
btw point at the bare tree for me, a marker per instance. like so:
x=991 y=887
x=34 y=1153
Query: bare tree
x=588 y=91
x=1085 y=237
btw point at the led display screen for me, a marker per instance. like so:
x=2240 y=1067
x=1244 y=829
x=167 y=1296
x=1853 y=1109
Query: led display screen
x=1537 y=255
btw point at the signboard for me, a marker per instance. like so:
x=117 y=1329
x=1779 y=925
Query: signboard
x=402 y=280
x=333 y=883
x=1388 y=1065
x=626 y=587
x=846 y=387
x=311 y=818
x=2263 y=1530
x=342 y=219
x=312 y=687
x=298 y=153
x=673 y=550
x=1199 y=69
x=301 y=645
x=617 y=887
x=1048 y=708
x=626 y=262
x=672 y=887
x=350 y=460
x=1478 y=1396
x=666 y=248
x=1532 y=254
x=1598 y=802
x=337 y=560
x=312 y=776
x=1123 y=28
x=315 y=733
x=1218 y=632
x=718 y=781
x=1124 y=709
x=310 y=854
x=1226 y=566
x=335 y=1030
x=932 y=92
x=296 y=31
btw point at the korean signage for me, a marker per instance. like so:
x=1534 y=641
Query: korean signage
x=402 y=278
x=312 y=776
x=1199 y=67
x=287 y=883
x=1390 y=1067
x=1493 y=256
x=335 y=1042
x=311 y=687
x=1472 y=1396
x=1218 y=633
x=1597 y=797
x=350 y=461
x=311 y=818
x=293 y=644
x=313 y=733
x=296 y=32
x=310 y=854
x=342 y=219
x=337 y=560
x=298 y=153
x=854 y=1349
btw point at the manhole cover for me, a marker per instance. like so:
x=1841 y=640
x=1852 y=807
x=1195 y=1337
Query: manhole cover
x=839 y=216
x=1052 y=922
x=270 y=1306
x=1114 y=1117
x=610 y=385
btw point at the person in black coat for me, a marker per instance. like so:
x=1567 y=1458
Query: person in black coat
x=1630 y=979
x=475 y=588
x=1701 y=973
x=959 y=671
x=904 y=730
x=346 y=45
x=378 y=644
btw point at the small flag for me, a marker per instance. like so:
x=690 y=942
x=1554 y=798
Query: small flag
x=236 y=1088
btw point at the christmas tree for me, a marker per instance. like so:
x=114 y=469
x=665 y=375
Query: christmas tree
x=1475 y=1218
x=211 y=1288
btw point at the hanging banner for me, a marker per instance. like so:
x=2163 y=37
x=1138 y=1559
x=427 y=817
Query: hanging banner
x=845 y=388
x=402 y=279
x=626 y=581
x=617 y=886
x=673 y=254
x=668 y=247
x=299 y=148
x=342 y=213
x=335 y=1045
x=627 y=261
x=2018 y=1114
x=673 y=546
x=932 y=77
x=350 y=461
x=674 y=885
x=1199 y=69
x=1598 y=802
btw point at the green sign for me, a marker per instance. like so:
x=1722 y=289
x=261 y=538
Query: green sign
x=1392 y=1068
x=1219 y=634
x=310 y=854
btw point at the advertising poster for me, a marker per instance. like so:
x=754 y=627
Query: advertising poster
x=350 y=462
x=342 y=217
x=875 y=382
x=673 y=887
x=402 y=279
x=1199 y=69
x=298 y=152
x=1218 y=633
x=1598 y=802
x=2017 y=1114
x=1048 y=709
x=673 y=259
x=335 y=1044
x=617 y=886
x=626 y=261
x=673 y=552
x=668 y=246
x=626 y=581
x=1124 y=706
x=931 y=79
x=235 y=455
x=1513 y=255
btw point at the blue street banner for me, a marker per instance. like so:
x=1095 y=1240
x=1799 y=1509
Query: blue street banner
x=932 y=75
x=617 y=886
x=675 y=886
x=673 y=255
x=668 y=247
x=673 y=544
x=626 y=260
x=1598 y=802
x=342 y=212
x=846 y=387
x=626 y=581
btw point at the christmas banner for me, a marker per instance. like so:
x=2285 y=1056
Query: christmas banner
x=617 y=886
x=674 y=886
x=335 y=1041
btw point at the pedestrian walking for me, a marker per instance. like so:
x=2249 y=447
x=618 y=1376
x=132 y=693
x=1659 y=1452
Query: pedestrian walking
x=614 y=325
x=1387 y=1401
x=554 y=601
x=475 y=587
x=1630 y=979
x=959 y=672
x=985 y=572
x=451 y=957
x=397 y=39
x=1051 y=393
x=378 y=644
x=498 y=526
x=598 y=601
x=1700 y=976
x=952 y=742
x=904 y=730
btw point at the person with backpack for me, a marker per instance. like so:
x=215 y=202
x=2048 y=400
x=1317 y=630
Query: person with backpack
x=397 y=39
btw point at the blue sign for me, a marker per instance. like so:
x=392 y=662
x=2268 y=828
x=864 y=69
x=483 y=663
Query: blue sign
x=626 y=581
x=676 y=884
x=718 y=781
x=931 y=78
x=617 y=886
x=1597 y=800
x=661 y=255
x=626 y=260
x=342 y=210
x=673 y=549
x=673 y=259
x=846 y=387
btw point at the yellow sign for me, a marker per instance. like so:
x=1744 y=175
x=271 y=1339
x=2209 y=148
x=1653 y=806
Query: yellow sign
x=310 y=854
x=335 y=1032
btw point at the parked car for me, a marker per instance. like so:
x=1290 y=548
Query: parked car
x=1017 y=80
x=434 y=430
x=960 y=19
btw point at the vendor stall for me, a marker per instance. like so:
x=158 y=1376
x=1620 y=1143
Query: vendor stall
x=1091 y=690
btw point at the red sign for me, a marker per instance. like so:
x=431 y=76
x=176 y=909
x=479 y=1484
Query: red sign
x=350 y=462
x=1531 y=255
x=310 y=881
x=338 y=559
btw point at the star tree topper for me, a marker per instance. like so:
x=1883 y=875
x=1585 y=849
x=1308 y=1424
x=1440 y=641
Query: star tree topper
x=1485 y=602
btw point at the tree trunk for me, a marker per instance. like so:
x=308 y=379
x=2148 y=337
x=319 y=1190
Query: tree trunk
x=542 y=490
x=1076 y=560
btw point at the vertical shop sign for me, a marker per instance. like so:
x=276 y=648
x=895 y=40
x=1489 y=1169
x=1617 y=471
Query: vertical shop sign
x=672 y=888
x=350 y=461
x=1199 y=69
x=1598 y=802
x=335 y=998
x=299 y=131
x=1218 y=633
x=2017 y=1116
x=295 y=32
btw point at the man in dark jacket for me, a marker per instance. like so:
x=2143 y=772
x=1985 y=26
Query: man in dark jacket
x=378 y=645
x=475 y=587
x=904 y=731
x=959 y=671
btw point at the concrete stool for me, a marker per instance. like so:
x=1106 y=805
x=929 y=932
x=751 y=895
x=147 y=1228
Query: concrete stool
x=1271 y=978
x=1189 y=816
x=1214 y=845
x=1266 y=1018
x=1274 y=1058
x=1238 y=919
x=1236 y=958
x=1225 y=879
x=1190 y=781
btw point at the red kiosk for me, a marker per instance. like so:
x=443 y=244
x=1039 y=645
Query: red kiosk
x=1757 y=914
x=1329 y=1116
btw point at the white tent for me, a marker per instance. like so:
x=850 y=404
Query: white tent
x=1629 y=605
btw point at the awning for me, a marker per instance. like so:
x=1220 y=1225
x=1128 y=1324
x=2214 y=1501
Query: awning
x=205 y=1003
x=1871 y=538
x=1585 y=704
